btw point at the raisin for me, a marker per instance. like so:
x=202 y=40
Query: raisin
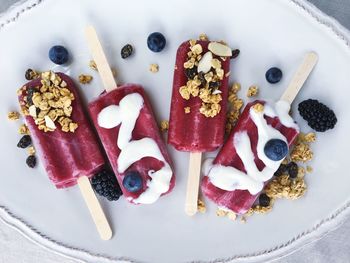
x=126 y=51
x=235 y=53
x=24 y=142
x=29 y=74
x=31 y=161
x=191 y=72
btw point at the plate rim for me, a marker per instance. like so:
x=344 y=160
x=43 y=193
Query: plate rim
x=318 y=231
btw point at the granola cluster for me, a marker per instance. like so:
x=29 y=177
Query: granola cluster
x=252 y=91
x=205 y=85
x=49 y=103
x=235 y=105
x=13 y=115
x=85 y=79
x=284 y=186
x=302 y=151
x=201 y=206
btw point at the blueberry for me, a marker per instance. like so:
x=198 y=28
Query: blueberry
x=156 y=42
x=58 y=55
x=132 y=181
x=276 y=149
x=274 y=75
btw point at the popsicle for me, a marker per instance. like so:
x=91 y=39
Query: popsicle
x=126 y=125
x=199 y=105
x=255 y=148
x=63 y=137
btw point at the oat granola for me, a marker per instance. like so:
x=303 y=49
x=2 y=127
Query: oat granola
x=13 y=115
x=85 y=79
x=49 y=102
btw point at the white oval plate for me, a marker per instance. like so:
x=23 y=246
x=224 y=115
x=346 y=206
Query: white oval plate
x=269 y=33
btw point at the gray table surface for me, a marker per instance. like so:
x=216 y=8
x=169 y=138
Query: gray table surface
x=335 y=247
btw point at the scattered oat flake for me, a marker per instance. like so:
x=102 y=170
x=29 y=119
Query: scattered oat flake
x=203 y=37
x=187 y=110
x=154 y=68
x=252 y=91
x=23 y=129
x=231 y=215
x=201 y=206
x=164 y=125
x=31 y=150
x=258 y=107
x=243 y=219
x=309 y=169
x=221 y=213
x=85 y=79
x=13 y=115
x=92 y=65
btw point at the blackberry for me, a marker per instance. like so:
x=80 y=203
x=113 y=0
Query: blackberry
x=292 y=168
x=24 y=142
x=31 y=161
x=318 y=116
x=126 y=51
x=191 y=72
x=264 y=200
x=105 y=184
x=281 y=170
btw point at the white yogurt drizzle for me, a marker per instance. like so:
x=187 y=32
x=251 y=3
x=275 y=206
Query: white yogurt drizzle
x=127 y=114
x=229 y=178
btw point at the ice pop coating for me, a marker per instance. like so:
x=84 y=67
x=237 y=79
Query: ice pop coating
x=238 y=174
x=60 y=129
x=199 y=97
x=129 y=133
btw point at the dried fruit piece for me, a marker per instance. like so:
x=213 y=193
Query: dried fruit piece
x=24 y=142
x=31 y=161
x=126 y=51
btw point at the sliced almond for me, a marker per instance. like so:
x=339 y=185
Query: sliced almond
x=32 y=111
x=49 y=123
x=217 y=92
x=204 y=64
x=219 y=49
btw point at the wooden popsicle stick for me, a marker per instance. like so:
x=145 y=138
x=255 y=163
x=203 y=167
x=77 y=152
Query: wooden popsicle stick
x=100 y=59
x=300 y=77
x=95 y=208
x=194 y=173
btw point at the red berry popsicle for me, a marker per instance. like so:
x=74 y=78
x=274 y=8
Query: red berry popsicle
x=199 y=98
x=60 y=129
x=255 y=149
x=64 y=137
x=125 y=122
x=199 y=105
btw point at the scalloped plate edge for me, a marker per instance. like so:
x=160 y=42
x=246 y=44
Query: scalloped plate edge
x=315 y=233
